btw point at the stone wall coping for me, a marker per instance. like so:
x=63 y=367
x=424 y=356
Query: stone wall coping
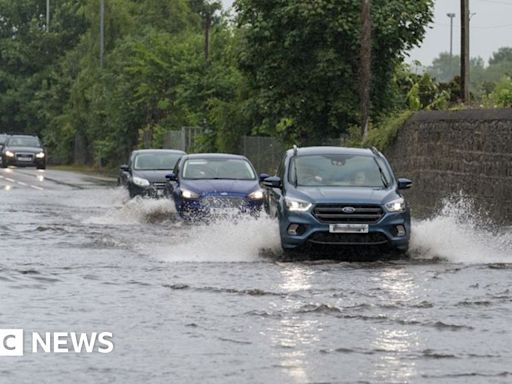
x=477 y=115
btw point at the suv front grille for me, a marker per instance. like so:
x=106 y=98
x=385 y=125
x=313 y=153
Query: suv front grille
x=348 y=238
x=347 y=213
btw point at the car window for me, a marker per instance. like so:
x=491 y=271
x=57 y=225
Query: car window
x=338 y=170
x=237 y=169
x=22 y=141
x=155 y=161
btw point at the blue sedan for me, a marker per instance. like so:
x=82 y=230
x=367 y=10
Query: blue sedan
x=210 y=185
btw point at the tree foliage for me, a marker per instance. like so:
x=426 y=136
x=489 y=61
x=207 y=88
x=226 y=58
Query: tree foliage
x=286 y=67
x=302 y=59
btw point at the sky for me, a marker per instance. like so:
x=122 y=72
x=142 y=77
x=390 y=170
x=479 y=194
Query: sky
x=491 y=28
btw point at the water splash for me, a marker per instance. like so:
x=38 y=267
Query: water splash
x=240 y=240
x=136 y=211
x=459 y=234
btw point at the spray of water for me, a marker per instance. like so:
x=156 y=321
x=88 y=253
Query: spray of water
x=459 y=234
x=244 y=239
x=135 y=211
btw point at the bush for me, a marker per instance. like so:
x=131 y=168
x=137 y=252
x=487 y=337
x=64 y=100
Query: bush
x=383 y=135
x=501 y=97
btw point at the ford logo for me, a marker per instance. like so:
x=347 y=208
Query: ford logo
x=348 y=209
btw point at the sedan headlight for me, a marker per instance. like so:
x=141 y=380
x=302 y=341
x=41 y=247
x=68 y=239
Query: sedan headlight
x=9 y=154
x=395 y=206
x=140 y=181
x=256 y=195
x=296 y=205
x=189 y=194
x=40 y=155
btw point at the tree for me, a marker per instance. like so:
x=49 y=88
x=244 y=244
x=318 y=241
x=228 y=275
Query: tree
x=302 y=59
x=445 y=68
x=28 y=54
x=503 y=54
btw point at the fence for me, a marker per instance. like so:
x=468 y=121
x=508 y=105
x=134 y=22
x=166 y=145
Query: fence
x=264 y=152
x=182 y=139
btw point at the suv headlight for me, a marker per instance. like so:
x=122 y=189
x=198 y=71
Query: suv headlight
x=189 y=194
x=296 y=205
x=256 y=195
x=395 y=206
x=40 y=155
x=9 y=154
x=140 y=181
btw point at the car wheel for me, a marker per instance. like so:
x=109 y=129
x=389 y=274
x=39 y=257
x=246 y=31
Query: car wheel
x=4 y=163
x=41 y=166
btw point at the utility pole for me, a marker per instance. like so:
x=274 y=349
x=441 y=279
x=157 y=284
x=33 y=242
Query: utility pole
x=102 y=31
x=366 y=69
x=47 y=15
x=451 y=16
x=207 y=25
x=464 y=53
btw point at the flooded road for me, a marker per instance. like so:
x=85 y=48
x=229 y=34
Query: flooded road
x=213 y=304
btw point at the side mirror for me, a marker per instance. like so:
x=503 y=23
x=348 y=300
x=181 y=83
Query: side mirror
x=171 y=177
x=272 y=182
x=263 y=176
x=124 y=168
x=404 y=183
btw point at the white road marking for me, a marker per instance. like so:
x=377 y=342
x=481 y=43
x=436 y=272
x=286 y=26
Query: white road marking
x=9 y=179
x=38 y=188
x=22 y=183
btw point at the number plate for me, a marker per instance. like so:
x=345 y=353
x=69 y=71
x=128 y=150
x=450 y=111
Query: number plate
x=224 y=211
x=24 y=158
x=348 y=228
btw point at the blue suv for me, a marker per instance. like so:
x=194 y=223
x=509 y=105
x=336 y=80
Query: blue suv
x=334 y=196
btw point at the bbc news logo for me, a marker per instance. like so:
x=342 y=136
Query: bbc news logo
x=12 y=342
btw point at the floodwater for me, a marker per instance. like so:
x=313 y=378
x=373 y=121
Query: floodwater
x=213 y=304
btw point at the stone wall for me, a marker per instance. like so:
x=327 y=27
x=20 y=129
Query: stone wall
x=448 y=153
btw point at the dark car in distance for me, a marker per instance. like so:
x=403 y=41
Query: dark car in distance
x=23 y=151
x=339 y=197
x=144 y=175
x=207 y=186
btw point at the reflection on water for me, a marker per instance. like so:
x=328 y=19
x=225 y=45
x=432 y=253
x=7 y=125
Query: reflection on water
x=394 y=344
x=294 y=332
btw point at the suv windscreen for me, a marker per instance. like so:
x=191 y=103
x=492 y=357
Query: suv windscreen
x=338 y=171
x=23 y=141
x=155 y=161
x=235 y=169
